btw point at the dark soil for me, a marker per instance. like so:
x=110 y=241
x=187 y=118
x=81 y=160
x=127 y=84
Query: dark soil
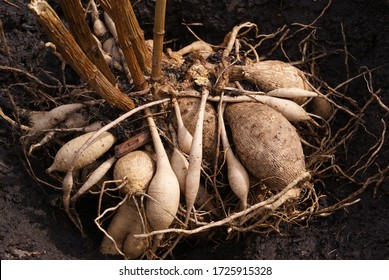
x=35 y=227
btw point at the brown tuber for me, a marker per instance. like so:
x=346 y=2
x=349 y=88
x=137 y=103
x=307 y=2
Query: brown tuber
x=266 y=142
x=269 y=75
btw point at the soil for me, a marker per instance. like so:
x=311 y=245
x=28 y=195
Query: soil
x=34 y=226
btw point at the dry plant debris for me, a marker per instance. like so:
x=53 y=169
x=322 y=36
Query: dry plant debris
x=222 y=139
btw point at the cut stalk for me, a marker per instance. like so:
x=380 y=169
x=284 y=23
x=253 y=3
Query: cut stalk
x=130 y=37
x=73 y=54
x=159 y=31
x=75 y=16
x=136 y=34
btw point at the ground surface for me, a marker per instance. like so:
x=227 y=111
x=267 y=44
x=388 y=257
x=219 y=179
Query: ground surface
x=33 y=227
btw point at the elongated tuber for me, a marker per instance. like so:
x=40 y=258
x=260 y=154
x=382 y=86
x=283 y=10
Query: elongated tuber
x=65 y=155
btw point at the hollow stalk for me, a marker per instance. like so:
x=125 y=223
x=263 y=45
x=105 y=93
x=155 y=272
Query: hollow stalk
x=124 y=18
x=159 y=31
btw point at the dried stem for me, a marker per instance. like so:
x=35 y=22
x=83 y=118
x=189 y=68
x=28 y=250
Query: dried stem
x=131 y=40
x=73 y=54
x=159 y=31
x=75 y=16
x=136 y=34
